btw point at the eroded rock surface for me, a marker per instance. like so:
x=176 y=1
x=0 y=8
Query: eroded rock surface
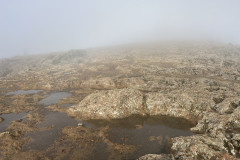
x=199 y=147
x=181 y=104
x=156 y=157
x=118 y=103
x=217 y=138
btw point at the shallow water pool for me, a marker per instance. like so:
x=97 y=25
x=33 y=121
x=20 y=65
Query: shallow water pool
x=150 y=135
x=24 y=92
x=8 y=118
x=53 y=98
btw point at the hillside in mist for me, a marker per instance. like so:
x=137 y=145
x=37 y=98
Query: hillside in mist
x=144 y=101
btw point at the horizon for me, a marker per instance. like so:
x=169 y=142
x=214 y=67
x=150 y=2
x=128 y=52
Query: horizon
x=133 y=44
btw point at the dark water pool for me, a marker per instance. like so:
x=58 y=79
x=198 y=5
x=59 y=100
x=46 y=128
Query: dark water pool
x=8 y=118
x=53 y=98
x=148 y=134
x=41 y=140
x=24 y=92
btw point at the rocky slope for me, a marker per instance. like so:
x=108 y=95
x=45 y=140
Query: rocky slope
x=197 y=82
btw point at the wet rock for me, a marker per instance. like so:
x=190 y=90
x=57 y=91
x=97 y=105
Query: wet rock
x=118 y=103
x=156 y=157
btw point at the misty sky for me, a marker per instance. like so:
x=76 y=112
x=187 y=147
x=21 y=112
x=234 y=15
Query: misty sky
x=42 y=26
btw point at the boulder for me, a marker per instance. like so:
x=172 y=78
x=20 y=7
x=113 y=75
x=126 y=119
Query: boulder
x=111 y=104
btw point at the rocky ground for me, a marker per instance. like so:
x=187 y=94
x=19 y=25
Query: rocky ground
x=196 y=82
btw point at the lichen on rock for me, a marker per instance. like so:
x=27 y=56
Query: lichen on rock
x=111 y=104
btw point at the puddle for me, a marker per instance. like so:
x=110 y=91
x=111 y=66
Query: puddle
x=53 y=98
x=149 y=135
x=43 y=139
x=8 y=118
x=99 y=152
x=24 y=92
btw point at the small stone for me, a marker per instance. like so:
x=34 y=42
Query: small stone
x=139 y=126
x=80 y=124
x=152 y=138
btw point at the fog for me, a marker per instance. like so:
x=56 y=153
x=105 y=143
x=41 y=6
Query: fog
x=34 y=27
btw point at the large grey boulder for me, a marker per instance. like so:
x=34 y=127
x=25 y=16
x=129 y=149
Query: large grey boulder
x=111 y=104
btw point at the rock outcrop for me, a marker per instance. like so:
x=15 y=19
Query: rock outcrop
x=156 y=157
x=212 y=141
x=218 y=138
x=121 y=103
x=180 y=105
x=199 y=147
x=118 y=103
